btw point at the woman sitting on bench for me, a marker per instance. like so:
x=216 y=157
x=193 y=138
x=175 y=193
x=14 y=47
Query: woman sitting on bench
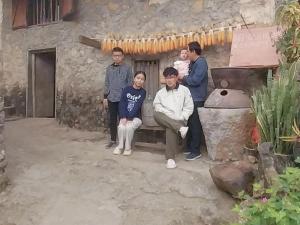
x=130 y=112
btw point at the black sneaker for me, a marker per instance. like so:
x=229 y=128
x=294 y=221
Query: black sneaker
x=110 y=144
x=192 y=156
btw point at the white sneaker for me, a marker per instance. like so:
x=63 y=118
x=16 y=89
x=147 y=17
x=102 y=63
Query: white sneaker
x=183 y=131
x=171 y=164
x=117 y=151
x=127 y=152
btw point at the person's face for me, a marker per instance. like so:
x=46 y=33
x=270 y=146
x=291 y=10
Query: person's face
x=191 y=54
x=184 y=54
x=171 y=81
x=117 y=57
x=139 y=80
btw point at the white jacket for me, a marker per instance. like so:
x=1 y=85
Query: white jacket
x=176 y=104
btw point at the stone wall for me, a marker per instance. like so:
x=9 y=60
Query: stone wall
x=3 y=162
x=80 y=69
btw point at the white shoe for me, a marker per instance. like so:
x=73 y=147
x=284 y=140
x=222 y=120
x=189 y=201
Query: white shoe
x=117 y=151
x=127 y=152
x=171 y=164
x=183 y=131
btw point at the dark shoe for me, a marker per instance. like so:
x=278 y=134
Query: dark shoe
x=192 y=156
x=187 y=153
x=110 y=144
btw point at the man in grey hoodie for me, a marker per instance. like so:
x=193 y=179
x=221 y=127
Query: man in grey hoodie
x=118 y=76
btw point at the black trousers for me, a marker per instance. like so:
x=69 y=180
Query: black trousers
x=113 y=108
x=195 y=132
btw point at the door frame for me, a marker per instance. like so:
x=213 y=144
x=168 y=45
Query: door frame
x=30 y=90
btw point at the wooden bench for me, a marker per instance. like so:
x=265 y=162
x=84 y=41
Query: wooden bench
x=155 y=146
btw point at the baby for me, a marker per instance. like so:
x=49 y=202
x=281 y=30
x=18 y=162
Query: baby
x=182 y=65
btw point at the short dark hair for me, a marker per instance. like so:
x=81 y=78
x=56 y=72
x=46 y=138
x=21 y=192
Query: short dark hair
x=117 y=49
x=194 y=46
x=169 y=71
x=140 y=72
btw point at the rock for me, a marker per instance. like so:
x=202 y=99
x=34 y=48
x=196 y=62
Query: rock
x=251 y=159
x=226 y=131
x=151 y=2
x=234 y=177
x=113 y=6
x=198 y=6
x=266 y=163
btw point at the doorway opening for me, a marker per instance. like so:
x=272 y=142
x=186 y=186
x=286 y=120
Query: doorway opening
x=41 y=83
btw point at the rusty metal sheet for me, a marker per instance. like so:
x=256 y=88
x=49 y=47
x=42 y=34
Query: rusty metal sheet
x=19 y=13
x=254 y=47
x=67 y=8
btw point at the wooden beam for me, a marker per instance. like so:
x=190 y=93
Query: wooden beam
x=89 y=42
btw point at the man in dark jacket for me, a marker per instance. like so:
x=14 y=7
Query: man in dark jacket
x=118 y=76
x=196 y=81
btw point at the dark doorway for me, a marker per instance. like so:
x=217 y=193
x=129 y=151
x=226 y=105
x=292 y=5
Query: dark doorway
x=41 y=84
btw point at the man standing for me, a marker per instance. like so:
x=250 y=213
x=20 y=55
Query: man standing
x=118 y=76
x=173 y=105
x=196 y=81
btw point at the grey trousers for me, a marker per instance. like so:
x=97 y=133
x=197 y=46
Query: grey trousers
x=172 y=127
x=126 y=132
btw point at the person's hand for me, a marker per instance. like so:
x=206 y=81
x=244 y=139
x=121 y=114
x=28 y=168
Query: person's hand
x=180 y=76
x=105 y=103
x=123 y=121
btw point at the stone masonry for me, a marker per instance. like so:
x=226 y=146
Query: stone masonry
x=3 y=161
x=80 y=70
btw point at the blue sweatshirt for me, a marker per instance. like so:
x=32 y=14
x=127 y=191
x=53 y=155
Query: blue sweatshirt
x=131 y=102
x=197 y=80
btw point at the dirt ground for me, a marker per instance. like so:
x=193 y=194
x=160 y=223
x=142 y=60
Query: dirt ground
x=62 y=176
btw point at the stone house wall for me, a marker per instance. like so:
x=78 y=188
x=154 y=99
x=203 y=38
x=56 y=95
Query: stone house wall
x=3 y=162
x=80 y=69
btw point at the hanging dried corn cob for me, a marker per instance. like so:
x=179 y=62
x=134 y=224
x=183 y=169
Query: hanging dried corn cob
x=185 y=41
x=221 y=36
x=155 y=46
x=103 y=45
x=174 y=42
x=190 y=37
x=161 y=45
x=119 y=44
x=229 y=35
x=209 y=38
x=197 y=38
x=109 y=45
x=125 y=46
x=203 y=41
x=136 y=46
x=143 y=46
x=214 y=39
x=148 y=45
